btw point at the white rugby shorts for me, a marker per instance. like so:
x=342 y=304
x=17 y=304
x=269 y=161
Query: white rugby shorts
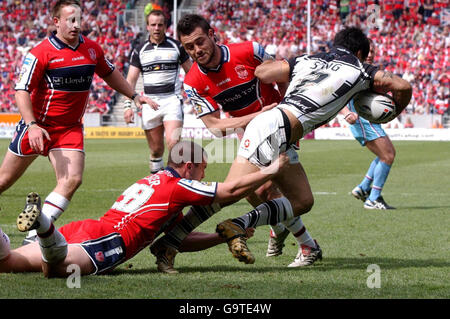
x=170 y=109
x=265 y=137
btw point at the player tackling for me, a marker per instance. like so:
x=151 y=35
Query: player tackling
x=145 y=209
x=320 y=86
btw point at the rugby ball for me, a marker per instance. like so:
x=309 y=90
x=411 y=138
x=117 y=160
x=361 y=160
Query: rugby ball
x=374 y=107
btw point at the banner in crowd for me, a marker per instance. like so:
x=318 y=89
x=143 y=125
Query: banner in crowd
x=399 y=134
x=8 y=122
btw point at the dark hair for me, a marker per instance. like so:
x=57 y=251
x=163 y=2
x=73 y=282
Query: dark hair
x=158 y=13
x=186 y=151
x=62 y=3
x=189 y=22
x=354 y=40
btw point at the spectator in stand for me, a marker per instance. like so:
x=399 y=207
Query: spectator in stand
x=408 y=123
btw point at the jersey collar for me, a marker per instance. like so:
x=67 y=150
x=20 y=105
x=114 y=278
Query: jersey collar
x=58 y=44
x=172 y=171
x=224 y=57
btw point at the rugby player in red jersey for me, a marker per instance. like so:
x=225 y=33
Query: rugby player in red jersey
x=145 y=209
x=222 y=78
x=52 y=92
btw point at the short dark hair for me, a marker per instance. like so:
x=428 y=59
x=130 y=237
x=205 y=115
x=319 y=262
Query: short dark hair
x=158 y=13
x=354 y=40
x=186 y=151
x=56 y=10
x=189 y=22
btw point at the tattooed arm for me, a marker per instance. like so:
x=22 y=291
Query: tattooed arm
x=386 y=81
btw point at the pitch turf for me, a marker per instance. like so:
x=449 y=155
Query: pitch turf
x=409 y=245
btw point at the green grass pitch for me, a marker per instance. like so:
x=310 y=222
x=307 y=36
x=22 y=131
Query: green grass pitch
x=410 y=245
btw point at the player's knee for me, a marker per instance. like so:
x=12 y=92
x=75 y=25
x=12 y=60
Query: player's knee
x=72 y=183
x=388 y=157
x=171 y=142
x=5 y=182
x=303 y=206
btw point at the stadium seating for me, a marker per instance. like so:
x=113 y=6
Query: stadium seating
x=23 y=24
x=411 y=42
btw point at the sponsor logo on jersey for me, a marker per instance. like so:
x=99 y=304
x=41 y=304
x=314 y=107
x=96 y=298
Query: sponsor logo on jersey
x=57 y=60
x=224 y=81
x=78 y=58
x=92 y=53
x=247 y=143
x=241 y=71
x=198 y=108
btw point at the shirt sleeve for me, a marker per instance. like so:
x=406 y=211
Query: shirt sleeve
x=292 y=62
x=31 y=73
x=190 y=192
x=260 y=54
x=371 y=70
x=202 y=103
x=134 y=60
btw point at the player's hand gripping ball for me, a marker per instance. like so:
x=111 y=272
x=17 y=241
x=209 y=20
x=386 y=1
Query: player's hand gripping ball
x=375 y=107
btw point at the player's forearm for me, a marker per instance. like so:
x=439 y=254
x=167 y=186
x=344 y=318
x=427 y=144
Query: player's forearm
x=23 y=102
x=402 y=95
x=226 y=126
x=237 y=189
x=273 y=71
x=117 y=82
x=197 y=241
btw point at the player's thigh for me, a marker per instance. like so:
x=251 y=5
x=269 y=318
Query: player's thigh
x=294 y=185
x=240 y=167
x=77 y=259
x=13 y=166
x=69 y=168
x=172 y=130
x=24 y=259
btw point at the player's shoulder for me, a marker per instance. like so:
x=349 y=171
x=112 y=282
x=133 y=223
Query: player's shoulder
x=90 y=43
x=241 y=46
x=173 y=41
x=41 y=47
x=198 y=187
x=193 y=75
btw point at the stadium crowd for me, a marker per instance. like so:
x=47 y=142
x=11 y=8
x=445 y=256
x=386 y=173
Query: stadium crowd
x=24 y=23
x=411 y=39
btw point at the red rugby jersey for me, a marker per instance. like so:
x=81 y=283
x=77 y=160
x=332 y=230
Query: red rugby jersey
x=59 y=77
x=232 y=85
x=152 y=204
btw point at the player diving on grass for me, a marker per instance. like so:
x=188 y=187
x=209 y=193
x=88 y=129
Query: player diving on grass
x=320 y=86
x=222 y=79
x=144 y=210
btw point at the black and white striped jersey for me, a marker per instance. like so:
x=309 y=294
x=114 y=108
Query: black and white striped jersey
x=322 y=84
x=160 y=65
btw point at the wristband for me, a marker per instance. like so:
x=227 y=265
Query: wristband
x=134 y=96
x=31 y=123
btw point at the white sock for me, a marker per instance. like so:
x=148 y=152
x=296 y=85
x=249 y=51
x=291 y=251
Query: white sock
x=298 y=229
x=54 y=205
x=156 y=164
x=53 y=245
x=5 y=245
x=277 y=229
